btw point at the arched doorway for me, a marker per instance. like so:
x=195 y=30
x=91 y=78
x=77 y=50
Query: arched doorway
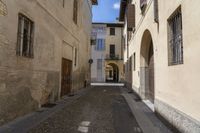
x=112 y=73
x=147 y=67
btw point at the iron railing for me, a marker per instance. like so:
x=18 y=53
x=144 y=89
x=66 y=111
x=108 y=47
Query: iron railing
x=113 y=57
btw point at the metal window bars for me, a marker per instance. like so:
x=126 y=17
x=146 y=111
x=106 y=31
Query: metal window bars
x=175 y=39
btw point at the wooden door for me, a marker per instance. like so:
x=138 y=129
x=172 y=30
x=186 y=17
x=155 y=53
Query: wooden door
x=66 y=84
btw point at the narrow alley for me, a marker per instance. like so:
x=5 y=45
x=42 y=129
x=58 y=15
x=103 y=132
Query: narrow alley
x=99 y=109
x=99 y=66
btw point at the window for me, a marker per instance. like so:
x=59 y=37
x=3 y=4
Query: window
x=100 y=45
x=25 y=37
x=112 y=31
x=75 y=57
x=134 y=62
x=75 y=11
x=130 y=64
x=175 y=44
x=99 y=64
x=112 y=51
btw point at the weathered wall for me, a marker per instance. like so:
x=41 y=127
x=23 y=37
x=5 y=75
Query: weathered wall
x=26 y=84
x=176 y=87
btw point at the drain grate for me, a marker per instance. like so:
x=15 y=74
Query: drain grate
x=71 y=95
x=49 y=105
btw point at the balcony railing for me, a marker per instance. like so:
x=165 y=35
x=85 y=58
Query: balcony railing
x=113 y=57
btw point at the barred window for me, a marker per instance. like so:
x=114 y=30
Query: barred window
x=175 y=44
x=25 y=37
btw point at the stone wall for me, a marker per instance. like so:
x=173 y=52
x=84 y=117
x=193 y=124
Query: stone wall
x=28 y=83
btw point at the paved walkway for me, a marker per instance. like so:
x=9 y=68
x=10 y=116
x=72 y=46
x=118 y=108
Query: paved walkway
x=97 y=110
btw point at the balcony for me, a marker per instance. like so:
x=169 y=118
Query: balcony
x=113 y=57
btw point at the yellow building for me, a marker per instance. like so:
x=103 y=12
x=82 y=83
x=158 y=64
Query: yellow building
x=107 y=53
x=161 y=57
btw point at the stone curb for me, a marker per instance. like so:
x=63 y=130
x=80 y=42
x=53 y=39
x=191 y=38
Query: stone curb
x=146 y=119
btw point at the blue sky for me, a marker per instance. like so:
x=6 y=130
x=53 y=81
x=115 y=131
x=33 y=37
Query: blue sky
x=106 y=11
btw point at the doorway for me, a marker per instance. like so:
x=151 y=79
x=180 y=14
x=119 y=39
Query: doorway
x=66 y=83
x=112 y=73
x=147 y=68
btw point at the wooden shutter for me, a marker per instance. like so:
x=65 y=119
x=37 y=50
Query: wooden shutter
x=143 y=4
x=130 y=17
x=156 y=15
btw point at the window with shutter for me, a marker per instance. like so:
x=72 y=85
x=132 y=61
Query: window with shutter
x=131 y=17
x=25 y=37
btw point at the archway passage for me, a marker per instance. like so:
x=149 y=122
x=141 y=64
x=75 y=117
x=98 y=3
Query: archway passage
x=112 y=73
x=147 y=67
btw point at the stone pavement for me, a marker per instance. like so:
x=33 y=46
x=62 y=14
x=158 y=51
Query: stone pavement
x=96 y=110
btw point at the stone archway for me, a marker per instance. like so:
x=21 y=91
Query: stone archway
x=147 y=67
x=112 y=73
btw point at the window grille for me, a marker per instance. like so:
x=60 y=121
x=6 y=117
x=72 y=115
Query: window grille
x=25 y=37
x=175 y=38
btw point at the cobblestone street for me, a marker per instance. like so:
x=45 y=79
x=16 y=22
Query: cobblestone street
x=100 y=110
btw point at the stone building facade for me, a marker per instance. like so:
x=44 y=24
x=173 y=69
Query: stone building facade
x=107 y=52
x=161 y=57
x=44 y=52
